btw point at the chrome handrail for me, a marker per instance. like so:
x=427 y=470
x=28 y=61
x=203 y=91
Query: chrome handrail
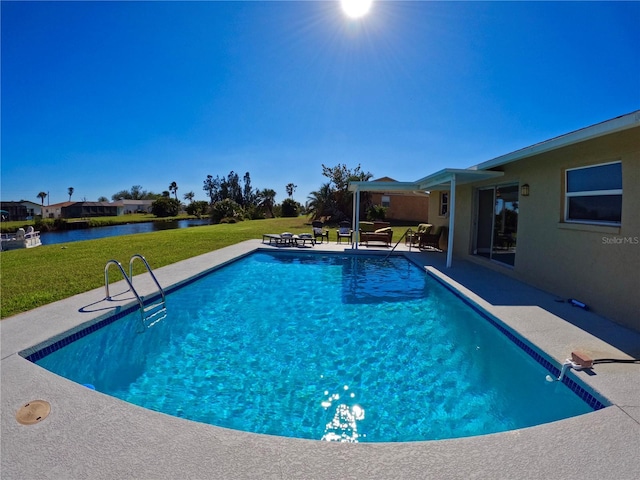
x=129 y=279
x=146 y=264
x=409 y=230
x=124 y=275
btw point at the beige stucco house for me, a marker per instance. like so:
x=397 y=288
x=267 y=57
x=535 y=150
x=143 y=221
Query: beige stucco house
x=562 y=215
x=402 y=206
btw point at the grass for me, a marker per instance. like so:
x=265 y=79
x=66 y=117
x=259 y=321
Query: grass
x=30 y=278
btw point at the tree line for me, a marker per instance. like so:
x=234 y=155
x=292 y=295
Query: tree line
x=232 y=199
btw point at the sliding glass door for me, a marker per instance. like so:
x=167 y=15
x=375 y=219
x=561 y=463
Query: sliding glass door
x=497 y=223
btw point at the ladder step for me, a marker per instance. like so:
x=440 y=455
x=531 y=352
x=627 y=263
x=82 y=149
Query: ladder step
x=153 y=306
x=156 y=320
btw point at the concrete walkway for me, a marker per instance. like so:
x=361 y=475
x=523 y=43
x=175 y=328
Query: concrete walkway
x=91 y=435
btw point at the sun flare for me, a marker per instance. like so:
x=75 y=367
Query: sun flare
x=356 y=8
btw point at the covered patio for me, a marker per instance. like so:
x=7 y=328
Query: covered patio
x=446 y=179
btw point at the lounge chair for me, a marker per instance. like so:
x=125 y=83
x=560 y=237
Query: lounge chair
x=344 y=232
x=285 y=238
x=302 y=239
x=319 y=231
x=375 y=232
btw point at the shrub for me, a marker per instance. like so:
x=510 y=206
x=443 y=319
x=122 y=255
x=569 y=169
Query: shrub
x=198 y=208
x=253 y=212
x=226 y=209
x=290 y=208
x=44 y=224
x=376 y=212
x=166 y=207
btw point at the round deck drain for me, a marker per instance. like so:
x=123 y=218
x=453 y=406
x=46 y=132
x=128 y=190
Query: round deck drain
x=33 y=412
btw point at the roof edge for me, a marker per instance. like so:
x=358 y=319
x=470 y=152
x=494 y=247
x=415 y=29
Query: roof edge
x=614 y=125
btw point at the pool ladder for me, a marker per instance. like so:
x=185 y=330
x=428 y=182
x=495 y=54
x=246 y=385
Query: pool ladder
x=149 y=314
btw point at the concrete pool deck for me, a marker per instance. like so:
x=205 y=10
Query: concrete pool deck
x=92 y=435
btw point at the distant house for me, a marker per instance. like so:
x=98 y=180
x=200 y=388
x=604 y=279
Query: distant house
x=15 y=210
x=134 y=206
x=33 y=209
x=55 y=210
x=89 y=209
x=81 y=210
x=404 y=206
x=562 y=215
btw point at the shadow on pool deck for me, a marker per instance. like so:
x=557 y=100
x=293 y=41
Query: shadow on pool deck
x=502 y=290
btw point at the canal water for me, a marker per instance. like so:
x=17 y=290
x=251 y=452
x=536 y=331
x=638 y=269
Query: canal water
x=52 y=238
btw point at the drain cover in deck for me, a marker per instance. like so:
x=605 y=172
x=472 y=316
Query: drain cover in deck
x=33 y=412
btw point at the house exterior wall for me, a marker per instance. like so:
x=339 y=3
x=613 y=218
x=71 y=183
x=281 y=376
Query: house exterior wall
x=595 y=264
x=53 y=211
x=404 y=207
x=17 y=211
x=89 y=209
x=133 y=206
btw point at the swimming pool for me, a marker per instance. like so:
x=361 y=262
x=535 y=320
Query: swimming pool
x=315 y=346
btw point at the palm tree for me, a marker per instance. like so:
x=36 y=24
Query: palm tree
x=42 y=196
x=174 y=188
x=290 y=189
x=189 y=196
x=70 y=192
x=266 y=199
x=321 y=202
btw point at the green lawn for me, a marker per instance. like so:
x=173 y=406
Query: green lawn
x=34 y=277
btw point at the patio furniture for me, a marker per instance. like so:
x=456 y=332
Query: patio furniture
x=344 y=231
x=302 y=239
x=375 y=232
x=319 y=231
x=431 y=240
x=284 y=239
x=413 y=237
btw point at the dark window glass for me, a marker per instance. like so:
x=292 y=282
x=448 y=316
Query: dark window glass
x=602 y=177
x=598 y=208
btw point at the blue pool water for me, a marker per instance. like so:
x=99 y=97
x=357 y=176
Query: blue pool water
x=342 y=348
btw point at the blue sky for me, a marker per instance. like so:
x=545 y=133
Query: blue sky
x=101 y=96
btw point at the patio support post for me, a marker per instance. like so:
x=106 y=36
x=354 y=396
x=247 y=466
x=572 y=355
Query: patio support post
x=356 y=218
x=452 y=218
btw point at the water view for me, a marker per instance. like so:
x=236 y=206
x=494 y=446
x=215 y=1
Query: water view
x=52 y=238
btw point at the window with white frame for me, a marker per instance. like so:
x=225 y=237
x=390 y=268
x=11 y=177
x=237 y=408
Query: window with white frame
x=386 y=201
x=444 y=204
x=594 y=194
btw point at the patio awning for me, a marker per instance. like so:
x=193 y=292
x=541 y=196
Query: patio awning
x=442 y=180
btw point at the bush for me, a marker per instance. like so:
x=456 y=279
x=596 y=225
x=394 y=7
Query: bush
x=226 y=209
x=199 y=208
x=44 y=224
x=253 y=212
x=376 y=212
x=290 y=208
x=166 y=207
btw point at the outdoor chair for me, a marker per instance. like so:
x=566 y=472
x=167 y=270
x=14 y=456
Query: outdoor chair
x=319 y=231
x=414 y=237
x=430 y=240
x=344 y=231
